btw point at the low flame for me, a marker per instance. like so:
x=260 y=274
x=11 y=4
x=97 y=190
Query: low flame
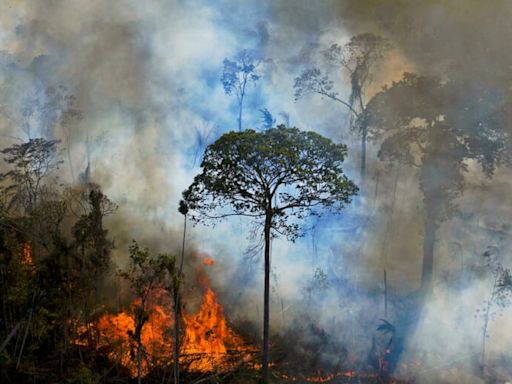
x=26 y=255
x=205 y=347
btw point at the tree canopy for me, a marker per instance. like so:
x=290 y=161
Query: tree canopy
x=423 y=122
x=295 y=172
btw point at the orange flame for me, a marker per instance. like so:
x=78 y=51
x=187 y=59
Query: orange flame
x=206 y=344
x=25 y=255
x=208 y=261
x=114 y=330
x=208 y=335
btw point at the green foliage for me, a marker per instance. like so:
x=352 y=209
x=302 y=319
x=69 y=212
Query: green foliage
x=183 y=208
x=83 y=375
x=145 y=275
x=292 y=172
x=88 y=232
x=50 y=273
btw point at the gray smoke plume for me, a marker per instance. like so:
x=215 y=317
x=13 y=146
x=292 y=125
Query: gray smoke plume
x=145 y=79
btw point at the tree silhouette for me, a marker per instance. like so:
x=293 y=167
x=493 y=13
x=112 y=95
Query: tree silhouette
x=275 y=177
x=237 y=74
x=424 y=123
x=357 y=59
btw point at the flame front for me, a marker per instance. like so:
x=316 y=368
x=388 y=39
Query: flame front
x=208 y=343
x=113 y=335
x=208 y=336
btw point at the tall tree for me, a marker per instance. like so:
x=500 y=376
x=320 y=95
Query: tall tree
x=357 y=59
x=275 y=177
x=425 y=123
x=237 y=74
x=174 y=287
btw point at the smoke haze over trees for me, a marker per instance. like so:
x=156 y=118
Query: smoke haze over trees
x=106 y=109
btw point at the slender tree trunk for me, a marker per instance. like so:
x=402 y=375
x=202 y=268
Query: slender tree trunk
x=31 y=311
x=364 y=134
x=139 y=362
x=486 y=325
x=385 y=294
x=177 y=309
x=10 y=336
x=266 y=301
x=240 y=107
x=429 y=243
x=176 y=338
x=484 y=337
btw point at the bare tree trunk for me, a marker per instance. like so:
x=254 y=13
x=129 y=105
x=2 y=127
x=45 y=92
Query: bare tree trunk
x=240 y=106
x=31 y=311
x=266 y=300
x=429 y=243
x=364 y=135
x=486 y=324
x=385 y=294
x=139 y=362
x=177 y=308
x=9 y=336
x=176 y=339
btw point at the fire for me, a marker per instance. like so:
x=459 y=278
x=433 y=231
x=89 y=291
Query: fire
x=114 y=331
x=208 y=261
x=208 y=336
x=319 y=378
x=207 y=344
x=26 y=255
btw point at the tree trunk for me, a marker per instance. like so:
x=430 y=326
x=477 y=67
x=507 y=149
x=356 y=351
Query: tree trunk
x=240 y=106
x=429 y=243
x=177 y=309
x=176 y=338
x=385 y=294
x=139 y=363
x=486 y=324
x=266 y=301
x=364 y=134
x=484 y=337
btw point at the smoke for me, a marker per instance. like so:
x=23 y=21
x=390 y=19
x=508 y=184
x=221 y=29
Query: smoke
x=146 y=81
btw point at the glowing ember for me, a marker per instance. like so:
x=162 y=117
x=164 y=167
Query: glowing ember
x=319 y=378
x=26 y=255
x=208 y=261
